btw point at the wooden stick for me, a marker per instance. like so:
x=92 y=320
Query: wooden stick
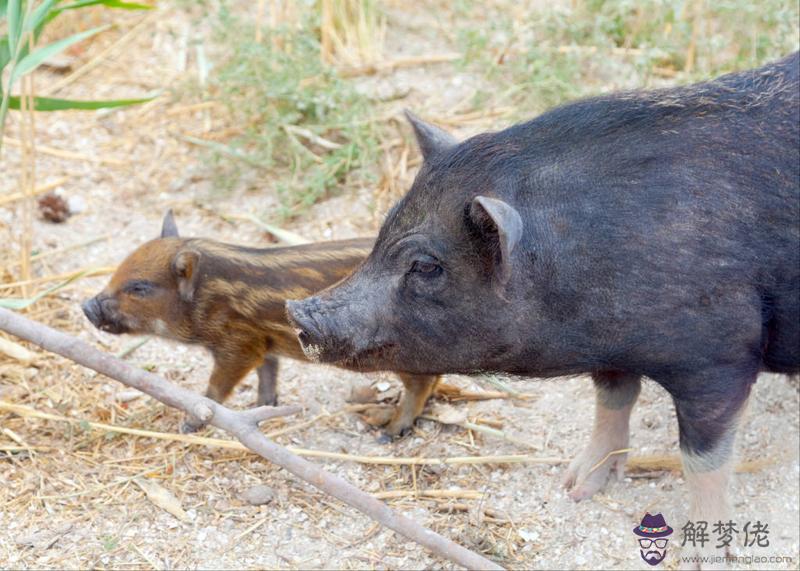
x=243 y=425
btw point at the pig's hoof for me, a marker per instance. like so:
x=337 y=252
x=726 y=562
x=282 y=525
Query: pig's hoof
x=378 y=415
x=386 y=437
x=587 y=476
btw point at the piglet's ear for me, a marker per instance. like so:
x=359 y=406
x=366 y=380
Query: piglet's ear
x=431 y=139
x=499 y=228
x=168 y=227
x=185 y=268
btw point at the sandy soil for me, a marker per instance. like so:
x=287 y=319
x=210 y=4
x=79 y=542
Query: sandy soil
x=77 y=493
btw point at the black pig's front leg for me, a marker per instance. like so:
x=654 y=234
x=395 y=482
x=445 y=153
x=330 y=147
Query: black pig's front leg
x=615 y=393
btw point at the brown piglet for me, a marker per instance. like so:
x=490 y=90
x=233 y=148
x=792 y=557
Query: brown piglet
x=230 y=299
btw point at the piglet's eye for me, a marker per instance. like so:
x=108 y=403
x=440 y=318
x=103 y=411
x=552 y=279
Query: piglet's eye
x=139 y=288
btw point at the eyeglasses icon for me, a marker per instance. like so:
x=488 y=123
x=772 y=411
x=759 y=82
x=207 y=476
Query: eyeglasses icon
x=661 y=543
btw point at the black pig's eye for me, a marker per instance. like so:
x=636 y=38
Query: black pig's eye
x=139 y=288
x=426 y=268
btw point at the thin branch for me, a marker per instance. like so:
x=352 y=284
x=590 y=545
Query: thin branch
x=242 y=425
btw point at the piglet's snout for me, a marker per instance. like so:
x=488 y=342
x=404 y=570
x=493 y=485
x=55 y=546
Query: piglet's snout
x=93 y=311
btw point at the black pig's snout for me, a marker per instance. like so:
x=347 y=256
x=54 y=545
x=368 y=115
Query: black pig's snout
x=309 y=333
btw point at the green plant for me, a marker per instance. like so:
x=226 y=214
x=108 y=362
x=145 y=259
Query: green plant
x=299 y=120
x=24 y=22
x=536 y=57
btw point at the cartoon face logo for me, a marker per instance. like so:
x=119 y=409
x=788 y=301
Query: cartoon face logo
x=653 y=533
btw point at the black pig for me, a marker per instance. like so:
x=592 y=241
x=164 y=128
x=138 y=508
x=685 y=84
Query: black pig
x=637 y=234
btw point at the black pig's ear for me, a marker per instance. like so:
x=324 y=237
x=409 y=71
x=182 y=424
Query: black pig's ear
x=500 y=228
x=431 y=139
x=185 y=269
x=168 y=227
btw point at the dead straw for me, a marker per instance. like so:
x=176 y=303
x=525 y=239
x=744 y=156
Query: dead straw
x=636 y=463
x=117 y=45
x=244 y=425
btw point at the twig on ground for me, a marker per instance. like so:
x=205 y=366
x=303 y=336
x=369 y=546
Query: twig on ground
x=454 y=393
x=606 y=457
x=654 y=463
x=14 y=196
x=243 y=425
x=394 y=494
x=286 y=236
x=482 y=429
x=130 y=349
x=71 y=155
x=16 y=351
x=391 y=65
x=233 y=445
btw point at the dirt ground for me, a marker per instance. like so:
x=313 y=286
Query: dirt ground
x=69 y=500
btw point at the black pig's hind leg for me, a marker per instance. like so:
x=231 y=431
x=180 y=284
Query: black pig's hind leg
x=709 y=411
x=615 y=395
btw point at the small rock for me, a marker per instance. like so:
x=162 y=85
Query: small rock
x=650 y=420
x=76 y=204
x=435 y=469
x=258 y=495
x=529 y=534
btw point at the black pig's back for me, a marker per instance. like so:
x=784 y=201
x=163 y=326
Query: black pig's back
x=664 y=226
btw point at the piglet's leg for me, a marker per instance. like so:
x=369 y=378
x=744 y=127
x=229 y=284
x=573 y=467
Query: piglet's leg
x=268 y=382
x=615 y=395
x=229 y=369
x=417 y=390
x=708 y=424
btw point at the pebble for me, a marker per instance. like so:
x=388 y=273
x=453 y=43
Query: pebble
x=76 y=204
x=529 y=534
x=258 y=495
